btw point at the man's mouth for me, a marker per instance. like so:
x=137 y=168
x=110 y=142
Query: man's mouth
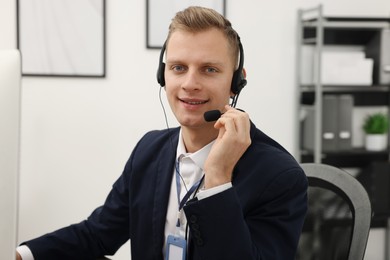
x=193 y=102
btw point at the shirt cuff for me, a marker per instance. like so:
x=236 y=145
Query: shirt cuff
x=25 y=252
x=212 y=191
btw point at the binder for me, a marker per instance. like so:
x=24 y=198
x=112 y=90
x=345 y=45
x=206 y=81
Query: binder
x=336 y=123
x=345 y=107
x=329 y=122
x=307 y=129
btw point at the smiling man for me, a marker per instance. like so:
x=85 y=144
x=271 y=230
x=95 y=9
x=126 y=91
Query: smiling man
x=204 y=190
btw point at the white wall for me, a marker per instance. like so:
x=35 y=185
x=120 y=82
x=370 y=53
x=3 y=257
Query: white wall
x=78 y=133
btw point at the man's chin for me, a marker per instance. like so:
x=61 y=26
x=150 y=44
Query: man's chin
x=192 y=122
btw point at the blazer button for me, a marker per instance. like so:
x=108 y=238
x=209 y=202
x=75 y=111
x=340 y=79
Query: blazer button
x=195 y=226
x=199 y=242
x=193 y=219
x=196 y=234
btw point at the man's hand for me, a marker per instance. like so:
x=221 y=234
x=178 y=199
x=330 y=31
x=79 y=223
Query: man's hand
x=232 y=141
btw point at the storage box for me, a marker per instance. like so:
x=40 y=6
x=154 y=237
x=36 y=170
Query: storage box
x=340 y=65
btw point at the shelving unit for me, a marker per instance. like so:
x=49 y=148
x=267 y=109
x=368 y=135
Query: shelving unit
x=319 y=31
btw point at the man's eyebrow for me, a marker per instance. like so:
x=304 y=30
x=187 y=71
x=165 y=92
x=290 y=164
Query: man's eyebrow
x=216 y=63
x=206 y=63
x=173 y=61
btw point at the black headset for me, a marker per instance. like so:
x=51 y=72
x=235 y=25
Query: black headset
x=238 y=80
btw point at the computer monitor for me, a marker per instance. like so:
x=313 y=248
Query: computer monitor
x=10 y=84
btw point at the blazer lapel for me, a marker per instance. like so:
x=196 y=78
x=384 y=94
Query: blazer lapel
x=165 y=167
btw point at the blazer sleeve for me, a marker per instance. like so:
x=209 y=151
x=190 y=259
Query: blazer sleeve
x=105 y=230
x=229 y=225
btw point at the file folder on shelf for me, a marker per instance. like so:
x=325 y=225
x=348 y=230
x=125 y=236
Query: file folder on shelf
x=345 y=106
x=329 y=122
x=336 y=124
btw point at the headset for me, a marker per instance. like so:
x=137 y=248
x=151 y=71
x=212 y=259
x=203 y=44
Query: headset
x=238 y=80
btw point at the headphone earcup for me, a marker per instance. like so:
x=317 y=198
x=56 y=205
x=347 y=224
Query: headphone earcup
x=238 y=82
x=242 y=82
x=160 y=74
x=234 y=86
x=161 y=67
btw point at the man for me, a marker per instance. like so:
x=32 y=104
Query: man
x=217 y=190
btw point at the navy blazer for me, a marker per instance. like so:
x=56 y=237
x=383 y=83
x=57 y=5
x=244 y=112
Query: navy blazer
x=261 y=217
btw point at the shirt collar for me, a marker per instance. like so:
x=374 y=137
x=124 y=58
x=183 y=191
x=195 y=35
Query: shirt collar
x=199 y=157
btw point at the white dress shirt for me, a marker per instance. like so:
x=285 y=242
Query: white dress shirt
x=191 y=169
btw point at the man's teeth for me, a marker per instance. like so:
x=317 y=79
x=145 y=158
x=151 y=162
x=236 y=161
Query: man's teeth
x=195 y=102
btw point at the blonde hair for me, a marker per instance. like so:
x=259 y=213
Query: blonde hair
x=197 y=19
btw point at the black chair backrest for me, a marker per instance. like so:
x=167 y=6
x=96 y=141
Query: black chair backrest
x=353 y=193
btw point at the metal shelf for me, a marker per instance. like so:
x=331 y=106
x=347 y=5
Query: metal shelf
x=356 y=157
x=349 y=24
x=319 y=30
x=347 y=88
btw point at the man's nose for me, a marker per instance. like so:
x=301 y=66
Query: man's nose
x=191 y=80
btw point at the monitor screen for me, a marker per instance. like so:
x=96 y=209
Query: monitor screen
x=10 y=82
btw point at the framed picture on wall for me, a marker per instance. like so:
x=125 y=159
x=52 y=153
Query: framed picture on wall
x=159 y=14
x=62 y=38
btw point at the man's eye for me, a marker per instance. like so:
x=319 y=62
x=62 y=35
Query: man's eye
x=211 y=70
x=178 y=68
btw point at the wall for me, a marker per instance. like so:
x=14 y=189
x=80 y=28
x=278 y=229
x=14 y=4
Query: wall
x=78 y=133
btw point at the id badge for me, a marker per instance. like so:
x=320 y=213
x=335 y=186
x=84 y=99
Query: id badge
x=176 y=248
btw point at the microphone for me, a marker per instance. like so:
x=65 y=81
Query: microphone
x=212 y=115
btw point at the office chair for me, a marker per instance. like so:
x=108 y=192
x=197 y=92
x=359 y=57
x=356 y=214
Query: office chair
x=339 y=215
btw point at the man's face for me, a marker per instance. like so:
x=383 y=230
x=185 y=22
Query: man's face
x=198 y=74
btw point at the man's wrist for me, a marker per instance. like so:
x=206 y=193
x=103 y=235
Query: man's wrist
x=205 y=193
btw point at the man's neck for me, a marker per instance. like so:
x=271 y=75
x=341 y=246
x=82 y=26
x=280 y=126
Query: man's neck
x=196 y=139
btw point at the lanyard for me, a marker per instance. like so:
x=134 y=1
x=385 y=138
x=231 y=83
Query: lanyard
x=188 y=194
